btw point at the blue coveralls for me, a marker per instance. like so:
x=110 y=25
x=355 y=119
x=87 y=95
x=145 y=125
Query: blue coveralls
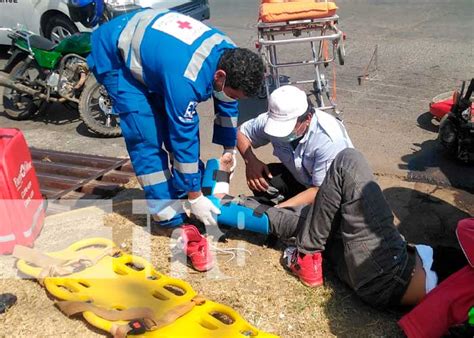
x=157 y=66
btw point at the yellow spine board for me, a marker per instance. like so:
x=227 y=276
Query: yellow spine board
x=125 y=281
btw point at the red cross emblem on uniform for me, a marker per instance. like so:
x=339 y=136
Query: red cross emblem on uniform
x=184 y=24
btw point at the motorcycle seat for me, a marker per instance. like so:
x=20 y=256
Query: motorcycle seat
x=40 y=42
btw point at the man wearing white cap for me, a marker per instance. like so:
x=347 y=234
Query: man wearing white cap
x=304 y=139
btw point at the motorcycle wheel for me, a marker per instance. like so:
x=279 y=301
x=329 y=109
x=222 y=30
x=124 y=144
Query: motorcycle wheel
x=448 y=135
x=95 y=109
x=20 y=106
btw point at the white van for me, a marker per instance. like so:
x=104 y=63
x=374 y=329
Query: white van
x=50 y=18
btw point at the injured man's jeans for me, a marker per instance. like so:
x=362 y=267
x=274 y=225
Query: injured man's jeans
x=284 y=222
x=352 y=223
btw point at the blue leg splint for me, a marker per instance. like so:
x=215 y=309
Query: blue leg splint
x=232 y=213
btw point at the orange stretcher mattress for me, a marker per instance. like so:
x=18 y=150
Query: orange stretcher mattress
x=286 y=10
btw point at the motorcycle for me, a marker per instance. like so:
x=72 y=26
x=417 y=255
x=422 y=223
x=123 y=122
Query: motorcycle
x=41 y=72
x=456 y=129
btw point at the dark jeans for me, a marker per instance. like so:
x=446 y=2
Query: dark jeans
x=282 y=186
x=352 y=222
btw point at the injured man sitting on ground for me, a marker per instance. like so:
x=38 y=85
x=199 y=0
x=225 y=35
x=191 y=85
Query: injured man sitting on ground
x=350 y=225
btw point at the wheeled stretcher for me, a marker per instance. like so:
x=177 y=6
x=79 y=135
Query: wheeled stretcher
x=298 y=22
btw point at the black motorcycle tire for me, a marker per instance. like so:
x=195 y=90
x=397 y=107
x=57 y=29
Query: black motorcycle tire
x=92 y=114
x=12 y=98
x=448 y=135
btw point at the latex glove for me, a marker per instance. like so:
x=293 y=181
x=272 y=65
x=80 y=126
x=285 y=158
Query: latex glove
x=204 y=210
x=233 y=151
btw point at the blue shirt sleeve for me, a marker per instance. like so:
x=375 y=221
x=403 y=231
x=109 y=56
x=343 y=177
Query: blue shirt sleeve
x=253 y=130
x=225 y=123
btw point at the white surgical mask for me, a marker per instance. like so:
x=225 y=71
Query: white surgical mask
x=222 y=96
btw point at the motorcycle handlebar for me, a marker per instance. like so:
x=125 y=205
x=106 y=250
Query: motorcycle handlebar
x=469 y=91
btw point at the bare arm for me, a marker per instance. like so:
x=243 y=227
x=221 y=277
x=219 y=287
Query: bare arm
x=255 y=170
x=303 y=198
x=245 y=147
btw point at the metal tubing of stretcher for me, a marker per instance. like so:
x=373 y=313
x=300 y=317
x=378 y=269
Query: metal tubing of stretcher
x=318 y=56
x=326 y=107
x=274 y=60
x=301 y=63
x=331 y=37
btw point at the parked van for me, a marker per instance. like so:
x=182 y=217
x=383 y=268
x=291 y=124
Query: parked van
x=51 y=19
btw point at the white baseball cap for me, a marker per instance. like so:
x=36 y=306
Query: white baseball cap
x=285 y=105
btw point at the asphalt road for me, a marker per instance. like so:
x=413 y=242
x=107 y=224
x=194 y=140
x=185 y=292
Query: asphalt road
x=424 y=48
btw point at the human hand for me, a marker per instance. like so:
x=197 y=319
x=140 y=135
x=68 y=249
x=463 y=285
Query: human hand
x=257 y=173
x=204 y=210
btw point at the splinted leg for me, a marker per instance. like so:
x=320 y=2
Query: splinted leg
x=245 y=213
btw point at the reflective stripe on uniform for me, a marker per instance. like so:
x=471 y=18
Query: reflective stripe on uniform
x=226 y=121
x=136 y=58
x=200 y=55
x=125 y=38
x=169 y=211
x=131 y=38
x=36 y=215
x=154 y=178
x=7 y=238
x=186 y=168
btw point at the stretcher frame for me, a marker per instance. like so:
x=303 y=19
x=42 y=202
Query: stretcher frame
x=316 y=32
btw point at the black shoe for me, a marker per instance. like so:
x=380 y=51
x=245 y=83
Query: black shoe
x=6 y=301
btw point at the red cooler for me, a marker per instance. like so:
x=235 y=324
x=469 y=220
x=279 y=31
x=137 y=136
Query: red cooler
x=21 y=202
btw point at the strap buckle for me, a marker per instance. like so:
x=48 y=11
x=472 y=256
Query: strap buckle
x=137 y=326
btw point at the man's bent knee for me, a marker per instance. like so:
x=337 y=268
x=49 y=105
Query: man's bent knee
x=351 y=159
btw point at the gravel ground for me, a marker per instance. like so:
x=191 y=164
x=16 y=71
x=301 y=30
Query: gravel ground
x=255 y=284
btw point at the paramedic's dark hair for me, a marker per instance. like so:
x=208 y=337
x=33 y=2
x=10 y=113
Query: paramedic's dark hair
x=309 y=111
x=244 y=70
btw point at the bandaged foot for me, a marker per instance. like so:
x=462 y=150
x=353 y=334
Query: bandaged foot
x=225 y=166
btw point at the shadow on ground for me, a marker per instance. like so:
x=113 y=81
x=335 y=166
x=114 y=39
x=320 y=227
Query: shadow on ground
x=57 y=114
x=430 y=163
x=349 y=317
x=424 y=218
x=250 y=108
x=427 y=122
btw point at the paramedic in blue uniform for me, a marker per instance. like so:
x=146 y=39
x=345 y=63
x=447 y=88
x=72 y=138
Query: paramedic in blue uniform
x=157 y=66
x=305 y=140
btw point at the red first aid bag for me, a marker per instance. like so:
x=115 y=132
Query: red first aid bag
x=21 y=203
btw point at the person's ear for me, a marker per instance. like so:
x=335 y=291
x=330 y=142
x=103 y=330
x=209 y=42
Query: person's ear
x=219 y=77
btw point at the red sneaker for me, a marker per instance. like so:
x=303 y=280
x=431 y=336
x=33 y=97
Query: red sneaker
x=308 y=268
x=196 y=248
